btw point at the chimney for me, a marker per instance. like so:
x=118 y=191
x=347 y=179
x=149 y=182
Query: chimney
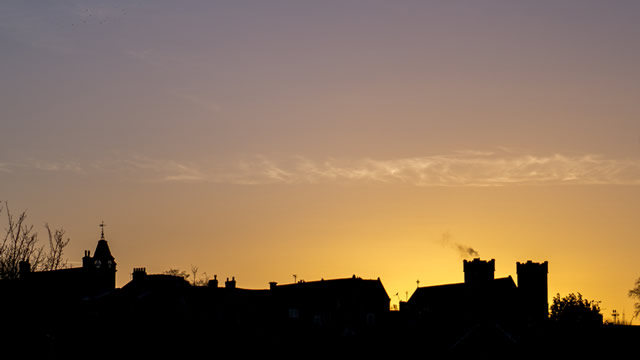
x=139 y=273
x=24 y=268
x=273 y=285
x=87 y=261
x=478 y=272
x=213 y=283
x=230 y=284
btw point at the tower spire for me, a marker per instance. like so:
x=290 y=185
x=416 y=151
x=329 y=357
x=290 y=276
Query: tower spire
x=102 y=225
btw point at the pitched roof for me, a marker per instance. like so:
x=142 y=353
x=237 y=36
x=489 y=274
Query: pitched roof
x=157 y=282
x=102 y=251
x=346 y=288
x=445 y=293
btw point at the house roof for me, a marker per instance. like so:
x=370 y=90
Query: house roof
x=448 y=292
x=364 y=287
x=157 y=282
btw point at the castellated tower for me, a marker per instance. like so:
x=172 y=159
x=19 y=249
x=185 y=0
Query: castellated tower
x=532 y=285
x=478 y=272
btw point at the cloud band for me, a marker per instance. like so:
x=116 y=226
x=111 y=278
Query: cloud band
x=469 y=168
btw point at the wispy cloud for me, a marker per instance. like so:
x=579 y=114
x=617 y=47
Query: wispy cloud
x=464 y=168
x=70 y=166
x=5 y=167
x=161 y=170
x=134 y=167
x=42 y=165
x=457 y=169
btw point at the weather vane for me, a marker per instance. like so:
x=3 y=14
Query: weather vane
x=102 y=225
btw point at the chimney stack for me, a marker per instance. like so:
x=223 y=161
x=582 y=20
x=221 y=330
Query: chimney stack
x=87 y=261
x=213 y=283
x=24 y=268
x=139 y=273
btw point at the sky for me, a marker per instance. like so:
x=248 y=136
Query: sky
x=390 y=139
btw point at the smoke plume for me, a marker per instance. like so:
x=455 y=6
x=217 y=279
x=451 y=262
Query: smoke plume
x=464 y=251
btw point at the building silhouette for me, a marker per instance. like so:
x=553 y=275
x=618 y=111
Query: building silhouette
x=533 y=289
x=97 y=274
x=482 y=310
x=72 y=312
x=333 y=308
x=57 y=313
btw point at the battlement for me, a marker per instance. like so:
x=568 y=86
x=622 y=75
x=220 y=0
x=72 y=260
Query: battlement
x=532 y=267
x=478 y=271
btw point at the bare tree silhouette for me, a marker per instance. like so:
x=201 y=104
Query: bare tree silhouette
x=202 y=281
x=20 y=243
x=635 y=293
x=176 y=272
x=194 y=271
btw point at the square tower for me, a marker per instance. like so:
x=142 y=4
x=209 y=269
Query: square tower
x=478 y=272
x=532 y=286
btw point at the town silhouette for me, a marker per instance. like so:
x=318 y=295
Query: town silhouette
x=80 y=313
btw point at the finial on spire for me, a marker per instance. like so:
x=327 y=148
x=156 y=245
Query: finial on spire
x=102 y=225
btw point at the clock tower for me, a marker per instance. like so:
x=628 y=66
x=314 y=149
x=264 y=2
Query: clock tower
x=101 y=267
